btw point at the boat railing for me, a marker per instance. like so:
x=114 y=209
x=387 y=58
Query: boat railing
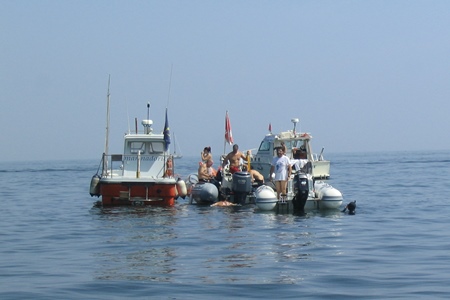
x=110 y=163
x=317 y=157
x=113 y=166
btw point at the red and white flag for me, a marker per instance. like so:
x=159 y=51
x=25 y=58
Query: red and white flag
x=228 y=134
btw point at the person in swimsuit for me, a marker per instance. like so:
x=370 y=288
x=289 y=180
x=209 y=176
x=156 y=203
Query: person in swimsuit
x=234 y=158
x=206 y=154
x=255 y=176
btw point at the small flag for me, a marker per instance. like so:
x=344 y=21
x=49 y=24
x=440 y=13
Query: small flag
x=270 y=127
x=166 y=133
x=228 y=134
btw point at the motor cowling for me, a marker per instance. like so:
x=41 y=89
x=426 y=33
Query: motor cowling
x=302 y=191
x=241 y=187
x=242 y=182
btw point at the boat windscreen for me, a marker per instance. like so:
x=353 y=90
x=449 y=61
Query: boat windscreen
x=265 y=146
x=135 y=147
x=156 y=147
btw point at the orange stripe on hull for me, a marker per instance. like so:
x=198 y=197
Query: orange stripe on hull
x=120 y=194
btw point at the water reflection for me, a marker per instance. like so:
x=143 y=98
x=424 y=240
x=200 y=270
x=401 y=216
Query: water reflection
x=202 y=244
x=132 y=244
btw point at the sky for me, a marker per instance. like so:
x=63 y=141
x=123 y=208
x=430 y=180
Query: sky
x=361 y=76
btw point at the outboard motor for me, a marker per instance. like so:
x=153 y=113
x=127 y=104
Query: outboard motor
x=242 y=186
x=302 y=191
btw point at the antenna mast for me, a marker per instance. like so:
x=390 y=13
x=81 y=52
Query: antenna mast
x=107 y=117
x=170 y=84
x=105 y=154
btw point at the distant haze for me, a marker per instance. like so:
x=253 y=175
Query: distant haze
x=360 y=75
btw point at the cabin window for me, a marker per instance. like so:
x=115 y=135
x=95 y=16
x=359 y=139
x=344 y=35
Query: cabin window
x=156 y=147
x=135 y=147
x=265 y=146
x=297 y=144
x=288 y=145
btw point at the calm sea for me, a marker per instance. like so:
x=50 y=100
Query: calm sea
x=56 y=245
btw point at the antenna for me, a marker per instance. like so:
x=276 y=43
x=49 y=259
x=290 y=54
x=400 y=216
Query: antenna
x=107 y=117
x=295 y=121
x=105 y=154
x=170 y=84
x=128 y=118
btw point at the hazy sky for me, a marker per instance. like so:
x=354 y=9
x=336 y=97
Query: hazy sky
x=360 y=75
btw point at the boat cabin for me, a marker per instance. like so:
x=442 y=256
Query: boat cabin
x=144 y=155
x=298 y=149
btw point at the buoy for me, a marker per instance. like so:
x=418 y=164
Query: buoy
x=181 y=188
x=94 y=189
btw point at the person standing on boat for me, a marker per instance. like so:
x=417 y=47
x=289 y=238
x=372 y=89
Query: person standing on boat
x=282 y=146
x=169 y=167
x=280 y=172
x=206 y=154
x=234 y=158
x=300 y=158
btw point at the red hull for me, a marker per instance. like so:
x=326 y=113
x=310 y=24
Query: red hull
x=117 y=194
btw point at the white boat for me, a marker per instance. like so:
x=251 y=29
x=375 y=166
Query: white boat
x=143 y=174
x=304 y=191
x=297 y=143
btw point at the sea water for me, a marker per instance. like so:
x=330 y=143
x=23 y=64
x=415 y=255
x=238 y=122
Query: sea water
x=55 y=244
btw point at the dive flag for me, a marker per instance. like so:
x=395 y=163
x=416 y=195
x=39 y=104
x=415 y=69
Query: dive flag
x=228 y=134
x=166 y=133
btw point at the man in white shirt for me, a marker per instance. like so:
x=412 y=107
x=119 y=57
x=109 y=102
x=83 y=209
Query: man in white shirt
x=282 y=168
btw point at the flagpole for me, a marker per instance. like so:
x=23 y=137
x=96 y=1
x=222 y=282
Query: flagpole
x=105 y=153
x=224 y=146
x=228 y=132
x=166 y=133
x=225 y=137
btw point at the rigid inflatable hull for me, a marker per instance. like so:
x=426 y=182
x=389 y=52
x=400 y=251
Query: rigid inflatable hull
x=204 y=193
x=265 y=198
